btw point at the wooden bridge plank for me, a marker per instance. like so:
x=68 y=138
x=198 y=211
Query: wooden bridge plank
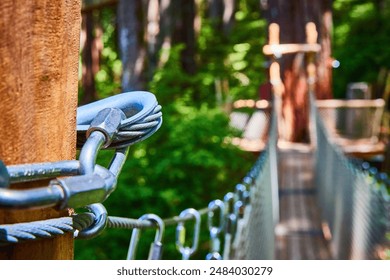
x=299 y=234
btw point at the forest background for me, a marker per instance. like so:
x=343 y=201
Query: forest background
x=197 y=57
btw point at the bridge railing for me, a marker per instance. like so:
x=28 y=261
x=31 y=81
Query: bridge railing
x=255 y=235
x=355 y=206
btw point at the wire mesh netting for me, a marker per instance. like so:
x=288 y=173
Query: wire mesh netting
x=354 y=205
x=255 y=238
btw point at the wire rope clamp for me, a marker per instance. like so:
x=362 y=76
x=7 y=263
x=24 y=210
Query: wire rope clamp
x=4 y=176
x=186 y=251
x=107 y=121
x=100 y=222
x=155 y=252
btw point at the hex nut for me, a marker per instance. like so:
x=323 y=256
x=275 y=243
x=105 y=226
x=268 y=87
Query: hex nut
x=107 y=121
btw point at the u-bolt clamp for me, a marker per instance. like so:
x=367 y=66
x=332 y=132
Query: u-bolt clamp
x=215 y=243
x=155 y=251
x=99 y=224
x=186 y=251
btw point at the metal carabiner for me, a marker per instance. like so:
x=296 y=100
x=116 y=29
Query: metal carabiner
x=248 y=181
x=230 y=228
x=229 y=202
x=215 y=243
x=240 y=189
x=187 y=252
x=99 y=224
x=155 y=251
x=214 y=205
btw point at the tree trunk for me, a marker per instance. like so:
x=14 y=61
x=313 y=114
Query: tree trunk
x=292 y=16
x=215 y=11
x=131 y=44
x=228 y=16
x=221 y=14
x=39 y=49
x=166 y=30
x=152 y=32
x=188 y=33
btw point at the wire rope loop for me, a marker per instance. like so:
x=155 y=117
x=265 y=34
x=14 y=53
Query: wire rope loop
x=187 y=251
x=213 y=206
x=99 y=224
x=155 y=251
x=142 y=114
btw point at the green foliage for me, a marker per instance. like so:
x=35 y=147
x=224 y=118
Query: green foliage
x=360 y=42
x=186 y=164
x=189 y=161
x=108 y=78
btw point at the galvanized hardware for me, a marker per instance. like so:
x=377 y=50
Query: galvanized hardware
x=76 y=191
x=240 y=189
x=241 y=197
x=230 y=228
x=248 y=181
x=140 y=108
x=31 y=198
x=213 y=256
x=215 y=243
x=118 y=161
x=186 y=251
x=247 y=198
x=89 y=152
x=229 y=202
x=107 y=121
x=98 y=226
x=40 y=171
x=4 y=176
x=82 y=190
x=239 y=209
x=155 y=251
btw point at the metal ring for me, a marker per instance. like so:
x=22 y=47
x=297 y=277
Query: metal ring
x=99 y=225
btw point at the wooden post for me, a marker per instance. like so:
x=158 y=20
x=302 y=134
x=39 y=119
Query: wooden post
x=39 y=50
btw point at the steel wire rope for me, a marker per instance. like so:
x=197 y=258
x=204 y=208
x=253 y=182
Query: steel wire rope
x=14 y=233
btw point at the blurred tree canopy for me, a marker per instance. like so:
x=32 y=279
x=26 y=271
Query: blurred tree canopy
x=197 y=58
x=189 y=161
x=361 y=44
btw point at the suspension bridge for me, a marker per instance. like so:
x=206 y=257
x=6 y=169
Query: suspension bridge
x=298 y=201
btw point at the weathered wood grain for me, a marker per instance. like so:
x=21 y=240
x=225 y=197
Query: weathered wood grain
x=39 y=48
